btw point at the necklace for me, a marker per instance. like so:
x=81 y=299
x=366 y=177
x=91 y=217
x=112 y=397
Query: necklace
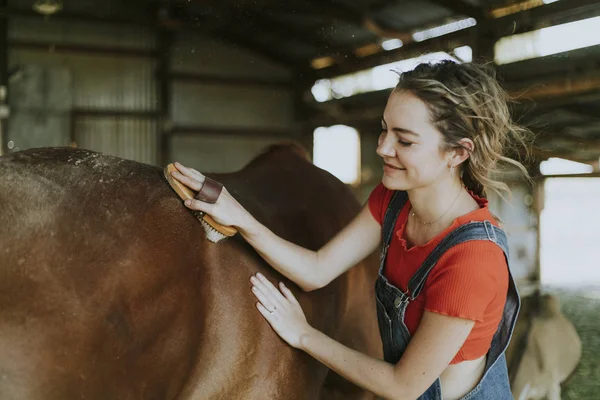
x=440 y=217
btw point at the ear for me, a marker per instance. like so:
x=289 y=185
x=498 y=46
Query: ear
x=460 y=154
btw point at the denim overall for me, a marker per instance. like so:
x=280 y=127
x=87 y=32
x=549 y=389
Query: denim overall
x=392 y=302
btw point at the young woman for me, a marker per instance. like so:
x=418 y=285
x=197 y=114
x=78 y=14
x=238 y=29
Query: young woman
x=446 y=301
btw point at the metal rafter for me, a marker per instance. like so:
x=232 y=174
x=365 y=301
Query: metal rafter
x=461 y=7
x=509 y=24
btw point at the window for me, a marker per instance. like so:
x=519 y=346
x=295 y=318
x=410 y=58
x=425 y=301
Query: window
x=559 y=166
x=337 y=150
x=547 y=41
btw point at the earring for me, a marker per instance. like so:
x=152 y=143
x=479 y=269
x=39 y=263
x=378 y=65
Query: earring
x=452 y=171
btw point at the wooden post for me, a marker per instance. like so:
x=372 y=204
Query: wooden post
x=3 y=78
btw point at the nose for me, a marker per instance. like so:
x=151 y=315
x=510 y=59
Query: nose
x=385 y=147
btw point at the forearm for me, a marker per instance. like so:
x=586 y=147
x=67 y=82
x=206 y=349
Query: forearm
x=298 y=264
x=367 y=372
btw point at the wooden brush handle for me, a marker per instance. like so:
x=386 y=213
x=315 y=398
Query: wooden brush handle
x=186 y=193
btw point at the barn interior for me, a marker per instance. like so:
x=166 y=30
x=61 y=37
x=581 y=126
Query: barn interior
x=212 y=83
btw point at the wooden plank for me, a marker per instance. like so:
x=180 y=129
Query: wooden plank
x=141 y=20
x=555 y=87
x=461 y=7
x=513 y=23
x=229 y=80
x=232 y=131
x=523 y=20
x=443 y=43
x=82 y=49
x=114 y=113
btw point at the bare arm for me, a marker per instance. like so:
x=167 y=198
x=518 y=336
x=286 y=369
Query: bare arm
x=308 y=269
x=428 y=354
x=315 y=269
x=426 y=357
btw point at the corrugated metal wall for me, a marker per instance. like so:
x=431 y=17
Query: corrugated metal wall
x=103 y=85
x=196 y=53
x=84 y=33
x=114 y=92
x=130 y=138
x=231 y=106
x=221 y=104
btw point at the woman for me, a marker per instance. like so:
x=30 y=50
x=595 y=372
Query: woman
x=446 y=301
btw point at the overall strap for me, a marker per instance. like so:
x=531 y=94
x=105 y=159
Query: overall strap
x=477 y=230
x=389 y=221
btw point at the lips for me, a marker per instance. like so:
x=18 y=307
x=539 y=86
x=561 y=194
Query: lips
x=394 y=167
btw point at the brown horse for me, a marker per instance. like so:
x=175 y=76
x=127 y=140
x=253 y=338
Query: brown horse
x=109 y=290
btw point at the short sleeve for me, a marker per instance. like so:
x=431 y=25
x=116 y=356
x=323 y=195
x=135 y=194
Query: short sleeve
x=378 y=202
x=466 y=279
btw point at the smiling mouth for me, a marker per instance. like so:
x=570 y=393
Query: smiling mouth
x=398 y=168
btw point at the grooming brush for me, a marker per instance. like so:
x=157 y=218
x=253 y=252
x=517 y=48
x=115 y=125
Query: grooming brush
x=215 y=232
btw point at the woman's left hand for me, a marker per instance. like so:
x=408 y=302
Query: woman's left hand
x=280 y=309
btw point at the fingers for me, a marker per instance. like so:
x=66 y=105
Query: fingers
x=268 y=288
x=189 y=172
x=198 y=205
x=288 y=293
x=264 y=300
x=269 y=316
x=187 y=181
x=266 y=295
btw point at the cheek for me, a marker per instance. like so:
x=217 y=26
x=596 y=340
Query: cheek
x=422 y=164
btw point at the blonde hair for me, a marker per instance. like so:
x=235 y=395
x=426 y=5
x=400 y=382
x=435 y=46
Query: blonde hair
x=466 y=101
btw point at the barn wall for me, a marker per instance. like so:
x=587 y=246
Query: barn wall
x=252 y=114
x=98 y=86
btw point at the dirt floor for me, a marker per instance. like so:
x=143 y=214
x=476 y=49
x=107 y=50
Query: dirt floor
x=582 y=307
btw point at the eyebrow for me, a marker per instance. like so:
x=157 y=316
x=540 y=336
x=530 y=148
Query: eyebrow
x=401 y=130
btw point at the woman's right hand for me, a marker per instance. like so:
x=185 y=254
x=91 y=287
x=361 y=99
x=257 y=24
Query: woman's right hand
x=226 y=210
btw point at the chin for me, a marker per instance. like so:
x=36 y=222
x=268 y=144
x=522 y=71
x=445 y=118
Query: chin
x=391 y=183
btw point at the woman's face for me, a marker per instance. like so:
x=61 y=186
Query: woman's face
x=410 y=144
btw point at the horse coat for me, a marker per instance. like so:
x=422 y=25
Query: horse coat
x=109 y=290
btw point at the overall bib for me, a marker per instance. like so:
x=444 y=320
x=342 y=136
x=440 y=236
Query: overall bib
x=392 y=302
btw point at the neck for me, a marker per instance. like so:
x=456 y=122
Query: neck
x=431 y=202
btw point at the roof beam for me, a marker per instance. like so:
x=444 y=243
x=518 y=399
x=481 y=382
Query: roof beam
x=507 y=25
x=289 y=31
x=354 y=63
x=558 y=86
x=584 y=110
x=552 y=93
x=461 y=7
x=225 y=28
x=338 y=11
x=76 y=48
x=245 y=41
x=522 y=21
x=141 y=20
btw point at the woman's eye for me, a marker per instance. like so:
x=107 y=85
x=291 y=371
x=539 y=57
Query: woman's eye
x=403 y=143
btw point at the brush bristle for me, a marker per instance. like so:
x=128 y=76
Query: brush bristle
x=212 y=234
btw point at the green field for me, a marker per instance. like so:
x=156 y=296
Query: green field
x=582 y=307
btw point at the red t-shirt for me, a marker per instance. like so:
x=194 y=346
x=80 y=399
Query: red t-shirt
x=469 y=281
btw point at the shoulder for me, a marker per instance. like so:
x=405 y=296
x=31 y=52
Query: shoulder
x=466 y=279
x=475 y=259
